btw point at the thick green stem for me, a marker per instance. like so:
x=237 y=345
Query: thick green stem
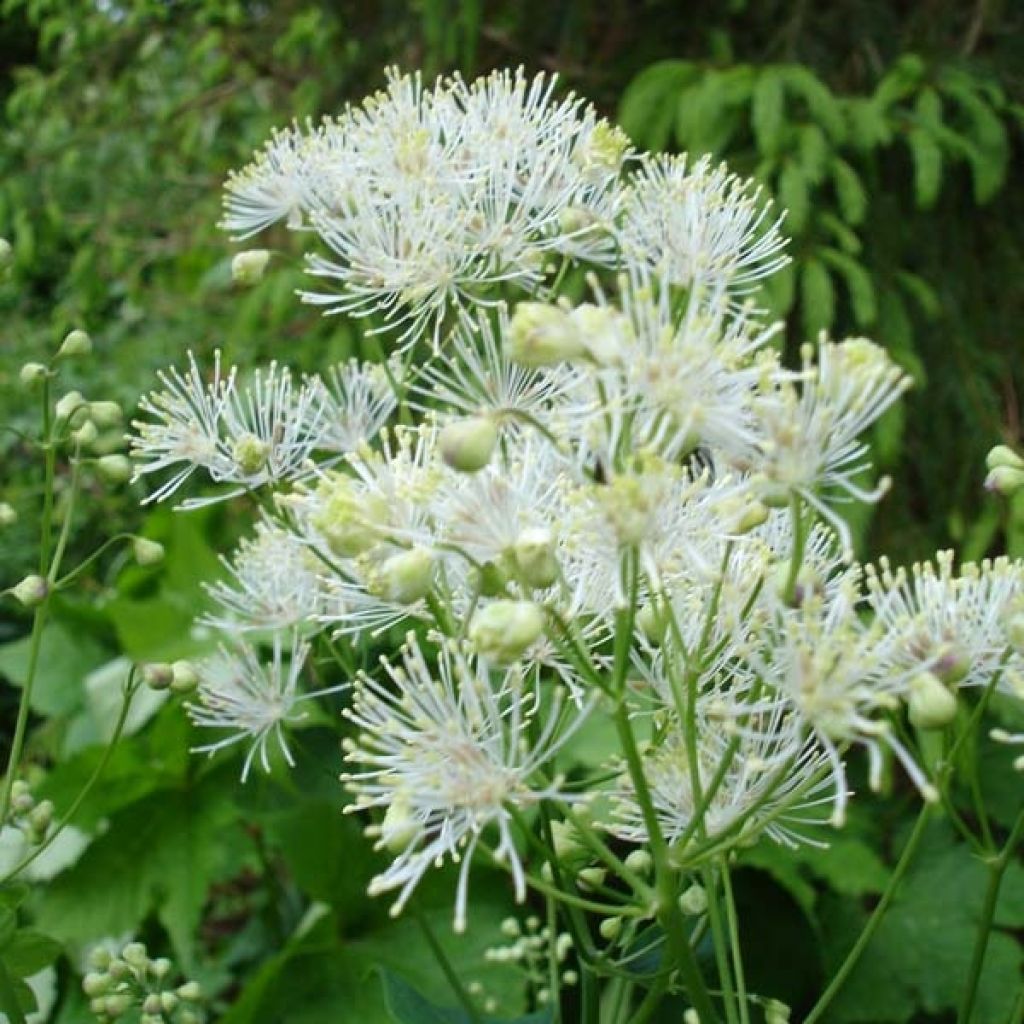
x=996 y=869
x=874 y=920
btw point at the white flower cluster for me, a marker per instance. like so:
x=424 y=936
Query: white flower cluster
x=627 y=506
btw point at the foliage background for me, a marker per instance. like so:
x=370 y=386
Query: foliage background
x=891 y=132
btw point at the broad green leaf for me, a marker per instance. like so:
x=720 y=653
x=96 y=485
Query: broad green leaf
x=407 y=1006
x=28 y=951
x=648 y=105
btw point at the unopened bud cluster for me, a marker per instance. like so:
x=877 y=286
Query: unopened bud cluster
x=30 y=817
x=531 y=949
x=135 y=983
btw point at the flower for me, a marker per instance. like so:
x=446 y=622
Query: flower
x=448 y=753
x=358 y=400
x=252 y=700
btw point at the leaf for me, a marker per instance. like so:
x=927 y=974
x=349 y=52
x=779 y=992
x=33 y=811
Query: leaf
x=927 y=157
x=648 y=105
x=794 y=197
x=850 y=192
x=817 y=298
x=814 y=152
x=858 y=284
x=767 y=111
x=407 y=1006
x=823 y=106
x=28 y=951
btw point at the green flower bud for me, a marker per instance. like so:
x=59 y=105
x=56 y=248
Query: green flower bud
x=168 y=1002
x=691 y=1016
x=534 y=554
x=346 y=518
x=248 y=267
x=250 y=454
x=98 y=1006
x=503 y=630
x=135 y=955
x=72 y=409
x=930 y=704
x=40 y=816
x=31 y=591
x=490 y=579
x=603 y=332
x=565 y=838
x=6 y=253
x=77 y=343
x=1003 y=456
x=85 y=435
x=190 y=991
x=542 y=335
x=651 y=622
x=32 y=374
x=467 y=445
x=119 y=970
x=161 y=967
x=115 y=1005
x=639 y=861
x=184 y=678
x=694 y=900
x=610 y=928
x=151 y=1004
x=403 y=578
x=188 y=1017
x=115 y=468
x=776 y=1012
x=157 y=675
x=753 y=515
x=100 y=958
x=591 y=878
x=95 y=984
x=1004 y=480
x=21 y=796
x=399 y=828
x=147 y=552
x=105 y=414
x=8 y=516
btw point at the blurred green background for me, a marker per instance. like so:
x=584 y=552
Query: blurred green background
x=890 y=130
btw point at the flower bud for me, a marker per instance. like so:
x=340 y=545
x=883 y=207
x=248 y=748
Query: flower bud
x=85 y=435
x=147 y=552
x=105 y=414
x=6 y=253
x=95 y=984
x=755 y=514
x=135 y=954
x=31 y=591
x=1004 y=480
x=399 y=828
x=115 y=468
x=930 y=705
x=157 y=675
x=591 y=878
x=97 y=1006
x=248 y=267
x=151 y=1004
x=691 y=1016
x=72 y=409
x=535 y=557
x=100 y=958
x=610 y=928
x=1003 y=456
x=694 y=900
x=188 y=1017
x=404 y=578
x=8 y=516
x=40 y=816
x=951 y=665
x=250 y=454
x=168 y=1002
x=115 y=1005
x=467 y=445
x=161 y=967
x=21 y=796
x=77 y=343
x=503 y=630
x=32 y=374
x=651 y=623
x=190 y=991
x=542 y=335
x=118 y=969
x=491 y=578
x=776 y=1012
x=566 y=841
x=184 y=678
x=604 y=332
x=639 y=861
x=346 y=518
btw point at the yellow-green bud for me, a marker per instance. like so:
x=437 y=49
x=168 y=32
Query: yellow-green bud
x=542 y=335
x=404 y=578
x=603 y=332
x=119 y=970
x=72 y=409
x=77 y=343
x=565 y=839
x=399 y=828
x=629 y=505
x=85 y=435
x=21 y=796
x=250 y=454
x=161 y=967
x=115 y=1005
x=188 y=1017
x=98 y=1006
x=347 y=518
x=694 y=900
x=31 y=591
x=100 y=958
x=639 y=861
x=951 y=665
x=105 y=414
x=40 y=816
x=610 y=928
x=157 y=675
x=491 y=578
x=591 y=878
x=467 y=445
x=651 y=622
x=248 y=267
x=930 y=705
x=135 y=954
x=184 y=678
x=32 y=374
x=534 y=553
x=503 y=630
x=190 y=991
x=753 y=515
x=168 y=1002
x=6 y=253
x=115 y=468
x=1003 y=456
x=8 y=517
x=95 y=984
x=1004 y=480
x=151 y=1004
x=776 y=1012
x=147 y=552
x=690 y=1016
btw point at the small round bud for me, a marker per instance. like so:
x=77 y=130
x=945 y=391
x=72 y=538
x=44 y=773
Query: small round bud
x=190 y=991
x=591 y=878
x=6 y=253
x=96 y=984
x=77 y=343
x=161 y=967
x=168 y=1002
x=346 y=518
x=691 y=1016
x=147 y=552
x=85 y=435
x=510 y=928
x=930 y=704
x=565 y=839
x=542 y=335
x=755 y=514
x=467 y=445
x=639 y=861
x=21 y=796
x=188 y=1017
x=32 y=374
x=157 y=675
x=248 y=267
x=40 y=816
x=135 y=954
x=115 y=1005
x=100 y=958
x=105 y=414
x=610 y=928
x=31 y=591
x=115 y=468
x=651 y=623
x=119 y=970
x=151 y=1004
x=72 y=409
x=604 y=332
x=8 y=516
x=776 y=1012
x=404 y=578
x=184 y=678
x=1004 y=480
x=694 y=900
x=1003 y=456
x=534 y=554
x=503 y=630
x=399 y=828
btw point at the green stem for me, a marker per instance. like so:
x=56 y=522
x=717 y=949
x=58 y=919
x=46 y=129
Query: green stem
x=874 y=920
x=446 y=967
x=721 y=945
x=732 y=922
x=799 y=540
x=997 y=868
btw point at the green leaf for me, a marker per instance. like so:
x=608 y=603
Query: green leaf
x=794 y=197
x=927 y=157
x=407 y=1006
x=814 y=152
x=767 y=111
x=817 y=298
x=28 y=952
x=850 y=192
x=859 y=285
x=648 y=106
x=822 y=105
